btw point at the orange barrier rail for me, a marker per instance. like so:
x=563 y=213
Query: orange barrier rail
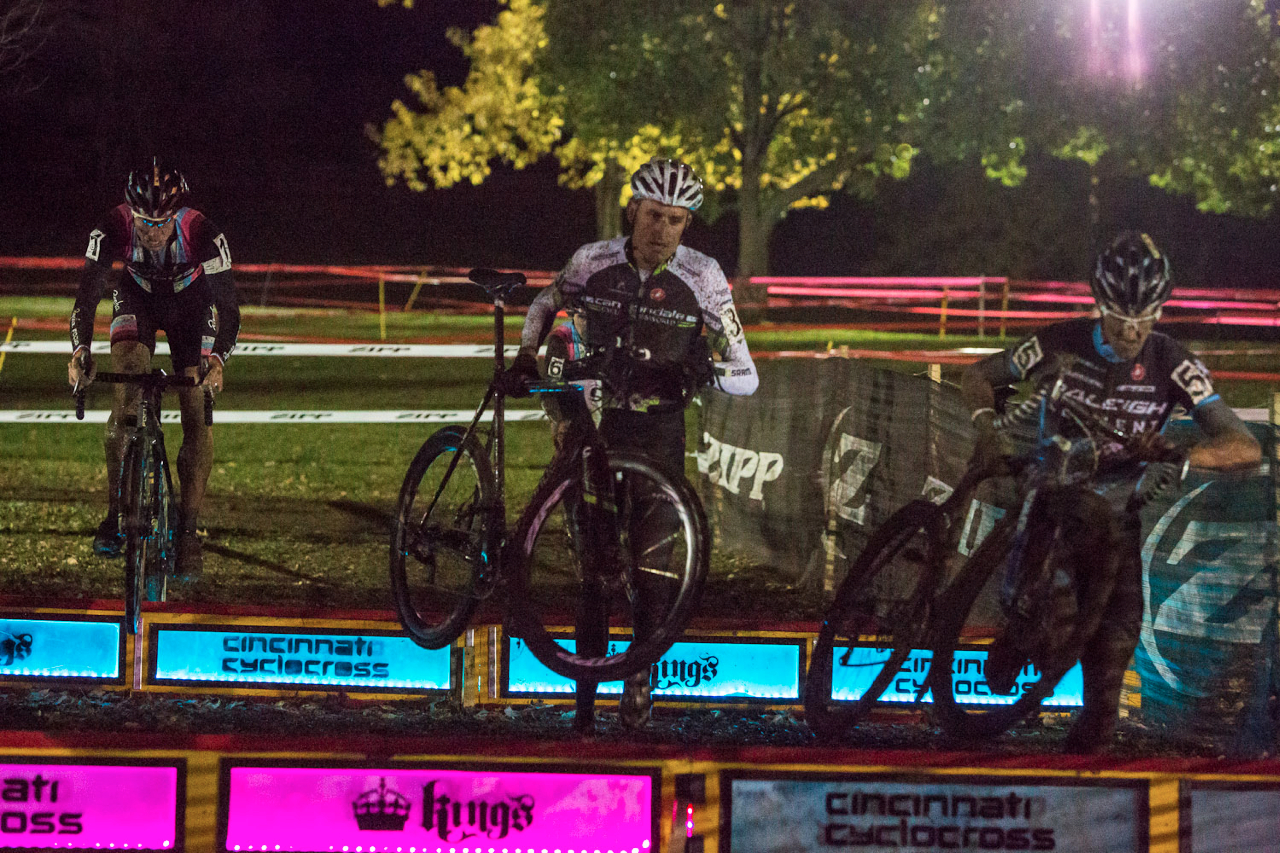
x=981 y=304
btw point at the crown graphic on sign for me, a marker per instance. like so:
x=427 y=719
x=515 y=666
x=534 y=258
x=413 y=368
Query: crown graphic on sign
x=379 y=808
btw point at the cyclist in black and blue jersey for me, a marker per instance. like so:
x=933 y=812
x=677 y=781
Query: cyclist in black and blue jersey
x=1132 y=377
x=640 y=305
x=176 y=278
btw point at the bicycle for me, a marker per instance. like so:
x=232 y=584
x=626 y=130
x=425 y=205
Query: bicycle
x=1048 y=610
x=600 y=528
x=148 y=513
x=901 y=594
x=881 y=611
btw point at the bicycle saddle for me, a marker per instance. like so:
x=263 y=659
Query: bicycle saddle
x=497 y=283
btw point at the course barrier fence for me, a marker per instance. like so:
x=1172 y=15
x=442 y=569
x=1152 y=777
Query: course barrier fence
x=985 y=305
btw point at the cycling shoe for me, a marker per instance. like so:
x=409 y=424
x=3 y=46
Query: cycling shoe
x=108 y=541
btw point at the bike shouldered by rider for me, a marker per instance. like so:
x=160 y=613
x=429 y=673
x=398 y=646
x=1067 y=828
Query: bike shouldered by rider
x=177 y=279
x=1132 y=377
x=640 y=305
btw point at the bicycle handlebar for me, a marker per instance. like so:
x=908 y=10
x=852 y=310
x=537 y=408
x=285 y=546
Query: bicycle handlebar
x=553 y=386
x=155 y=379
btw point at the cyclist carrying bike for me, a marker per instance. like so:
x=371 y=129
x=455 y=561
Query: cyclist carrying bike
x=1132 y=377
x=176 y=278
x=639 y=306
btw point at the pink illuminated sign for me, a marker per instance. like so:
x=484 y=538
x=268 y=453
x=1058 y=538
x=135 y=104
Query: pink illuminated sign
x=400 y=810
x=98 y=806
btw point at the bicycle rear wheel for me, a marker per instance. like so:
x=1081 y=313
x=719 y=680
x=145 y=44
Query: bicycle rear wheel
x=443 y=537
x=662 y=551
x=1039 y=649
x=879 y=615
x=136 y=498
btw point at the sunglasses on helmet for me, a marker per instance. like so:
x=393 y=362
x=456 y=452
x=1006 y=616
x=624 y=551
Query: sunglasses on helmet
x=152 y=223
x=1140 y=323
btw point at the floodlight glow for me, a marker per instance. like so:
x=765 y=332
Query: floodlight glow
x=1135 y=62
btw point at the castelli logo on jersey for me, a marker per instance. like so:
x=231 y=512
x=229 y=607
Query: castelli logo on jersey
x=1138 y=373
x=657 y=294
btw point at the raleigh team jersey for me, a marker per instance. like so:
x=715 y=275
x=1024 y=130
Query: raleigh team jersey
x=651 y=321
x=197 y=256
x=1132 y=396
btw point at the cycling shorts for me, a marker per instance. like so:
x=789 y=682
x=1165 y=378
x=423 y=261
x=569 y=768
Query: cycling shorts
x=187 y=319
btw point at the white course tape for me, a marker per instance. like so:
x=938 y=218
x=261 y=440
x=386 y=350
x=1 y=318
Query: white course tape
x=233 y=416
x=329 y=350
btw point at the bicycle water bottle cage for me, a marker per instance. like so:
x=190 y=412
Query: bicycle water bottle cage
x=497 y=283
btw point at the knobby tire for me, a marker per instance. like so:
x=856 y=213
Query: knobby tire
x=632 y=473
x=165 y=512
x=446 y=547
x=983 y=721
x=899 y=630
x=135 y=525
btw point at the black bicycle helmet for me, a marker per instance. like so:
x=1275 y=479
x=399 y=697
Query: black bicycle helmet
x=1131 y=276
x=156 y=191
x=668 y=182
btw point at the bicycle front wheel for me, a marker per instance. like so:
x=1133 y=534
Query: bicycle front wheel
x=1031 y=653
x=659 y=557
x=443 y=537
x=165 y=526
x=879 y=615
x=136 y=499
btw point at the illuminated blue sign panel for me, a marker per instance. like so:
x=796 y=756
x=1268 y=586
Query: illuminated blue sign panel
x=58 y=648
x=850 y=679
x=380 y=661
x=719 y=670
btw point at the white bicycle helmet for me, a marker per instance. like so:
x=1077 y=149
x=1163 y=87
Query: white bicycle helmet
x=668 y=182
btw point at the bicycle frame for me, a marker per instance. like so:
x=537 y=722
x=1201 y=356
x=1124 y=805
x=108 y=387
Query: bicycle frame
x=495 y=441
x=145 y=442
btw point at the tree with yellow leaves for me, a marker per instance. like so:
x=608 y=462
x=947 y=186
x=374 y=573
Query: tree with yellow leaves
x=776 y=104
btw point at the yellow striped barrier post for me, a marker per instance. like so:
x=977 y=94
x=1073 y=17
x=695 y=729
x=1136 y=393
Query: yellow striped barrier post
x=13 y=324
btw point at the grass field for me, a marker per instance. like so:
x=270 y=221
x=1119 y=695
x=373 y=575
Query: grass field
x=296 y=514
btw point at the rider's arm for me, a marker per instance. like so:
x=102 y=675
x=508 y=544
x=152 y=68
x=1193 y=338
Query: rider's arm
x=1227 y=442
x=93 y=281
x=223 y=286
x=545 y=306
x=735 y=371
x=978 y=384
x=541 y=316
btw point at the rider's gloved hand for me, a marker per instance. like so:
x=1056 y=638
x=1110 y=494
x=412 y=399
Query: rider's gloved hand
x=211 y=374
x=516 y=378
x=1154 y=446
x=81 y=369
x=698 y=369
x=991 y=448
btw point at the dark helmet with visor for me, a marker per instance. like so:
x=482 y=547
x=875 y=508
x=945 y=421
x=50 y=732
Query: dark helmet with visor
x=1131 y=276
x=668 y=182
x=156 y=191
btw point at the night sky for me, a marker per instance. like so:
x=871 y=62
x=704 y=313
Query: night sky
x=264 y=107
